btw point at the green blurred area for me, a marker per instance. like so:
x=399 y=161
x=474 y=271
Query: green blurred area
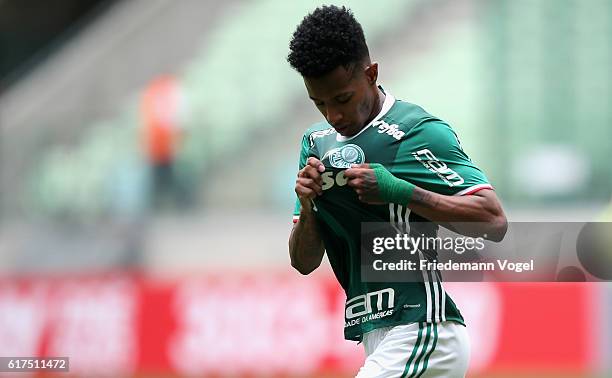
x=526 y=84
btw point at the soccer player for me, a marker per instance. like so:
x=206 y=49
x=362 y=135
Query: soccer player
x=378 y=159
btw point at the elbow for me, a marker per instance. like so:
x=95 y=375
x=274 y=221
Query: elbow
x=498 y=228
x=303 y=269
x=298 y=264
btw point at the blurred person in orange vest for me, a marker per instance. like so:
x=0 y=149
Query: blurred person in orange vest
x=161 y=128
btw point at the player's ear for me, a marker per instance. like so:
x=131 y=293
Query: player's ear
x=371 y=72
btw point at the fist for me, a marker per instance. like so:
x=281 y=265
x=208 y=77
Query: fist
x=308 y=184
x=362 y=178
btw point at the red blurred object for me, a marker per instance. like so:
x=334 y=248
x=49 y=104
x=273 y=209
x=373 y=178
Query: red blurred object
x=266 y=323
x=159 y=109
x=547 y=327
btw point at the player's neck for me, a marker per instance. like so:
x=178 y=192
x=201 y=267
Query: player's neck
x=379 y=100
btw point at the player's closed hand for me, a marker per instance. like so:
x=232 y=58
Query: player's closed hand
x=362 y=178
x=309 y=183
x=374 y=184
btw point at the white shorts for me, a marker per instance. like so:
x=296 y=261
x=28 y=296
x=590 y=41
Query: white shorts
x=424 y=350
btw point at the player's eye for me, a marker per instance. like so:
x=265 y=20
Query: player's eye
x=344 y=99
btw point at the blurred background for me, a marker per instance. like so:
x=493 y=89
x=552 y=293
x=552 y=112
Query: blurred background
x=148 y=150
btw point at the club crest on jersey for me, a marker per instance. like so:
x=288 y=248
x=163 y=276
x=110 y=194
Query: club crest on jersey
x=385 y=128
x=343 y=157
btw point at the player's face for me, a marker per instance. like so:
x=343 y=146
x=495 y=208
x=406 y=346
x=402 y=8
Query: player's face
x=345 y=97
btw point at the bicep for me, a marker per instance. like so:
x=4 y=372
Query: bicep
x=490 y=201
x=487 y=213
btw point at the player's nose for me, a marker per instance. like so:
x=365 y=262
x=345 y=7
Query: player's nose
x=334 y=117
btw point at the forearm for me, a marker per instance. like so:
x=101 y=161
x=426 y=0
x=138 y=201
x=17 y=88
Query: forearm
x=472 y=215
x=305 y=245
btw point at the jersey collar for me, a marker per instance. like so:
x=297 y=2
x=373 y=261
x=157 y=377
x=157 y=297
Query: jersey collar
x=387 y=104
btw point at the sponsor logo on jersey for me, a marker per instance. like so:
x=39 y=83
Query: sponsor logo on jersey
x=343 y=157
x=371 y=303
x=385 y=128
x=333 y=178
x=431 y=162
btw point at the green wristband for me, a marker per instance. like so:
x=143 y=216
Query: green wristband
x=391 y=188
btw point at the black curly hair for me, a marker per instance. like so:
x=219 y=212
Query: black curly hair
x=325 y=39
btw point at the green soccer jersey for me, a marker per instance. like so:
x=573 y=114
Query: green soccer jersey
x=414 y=146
